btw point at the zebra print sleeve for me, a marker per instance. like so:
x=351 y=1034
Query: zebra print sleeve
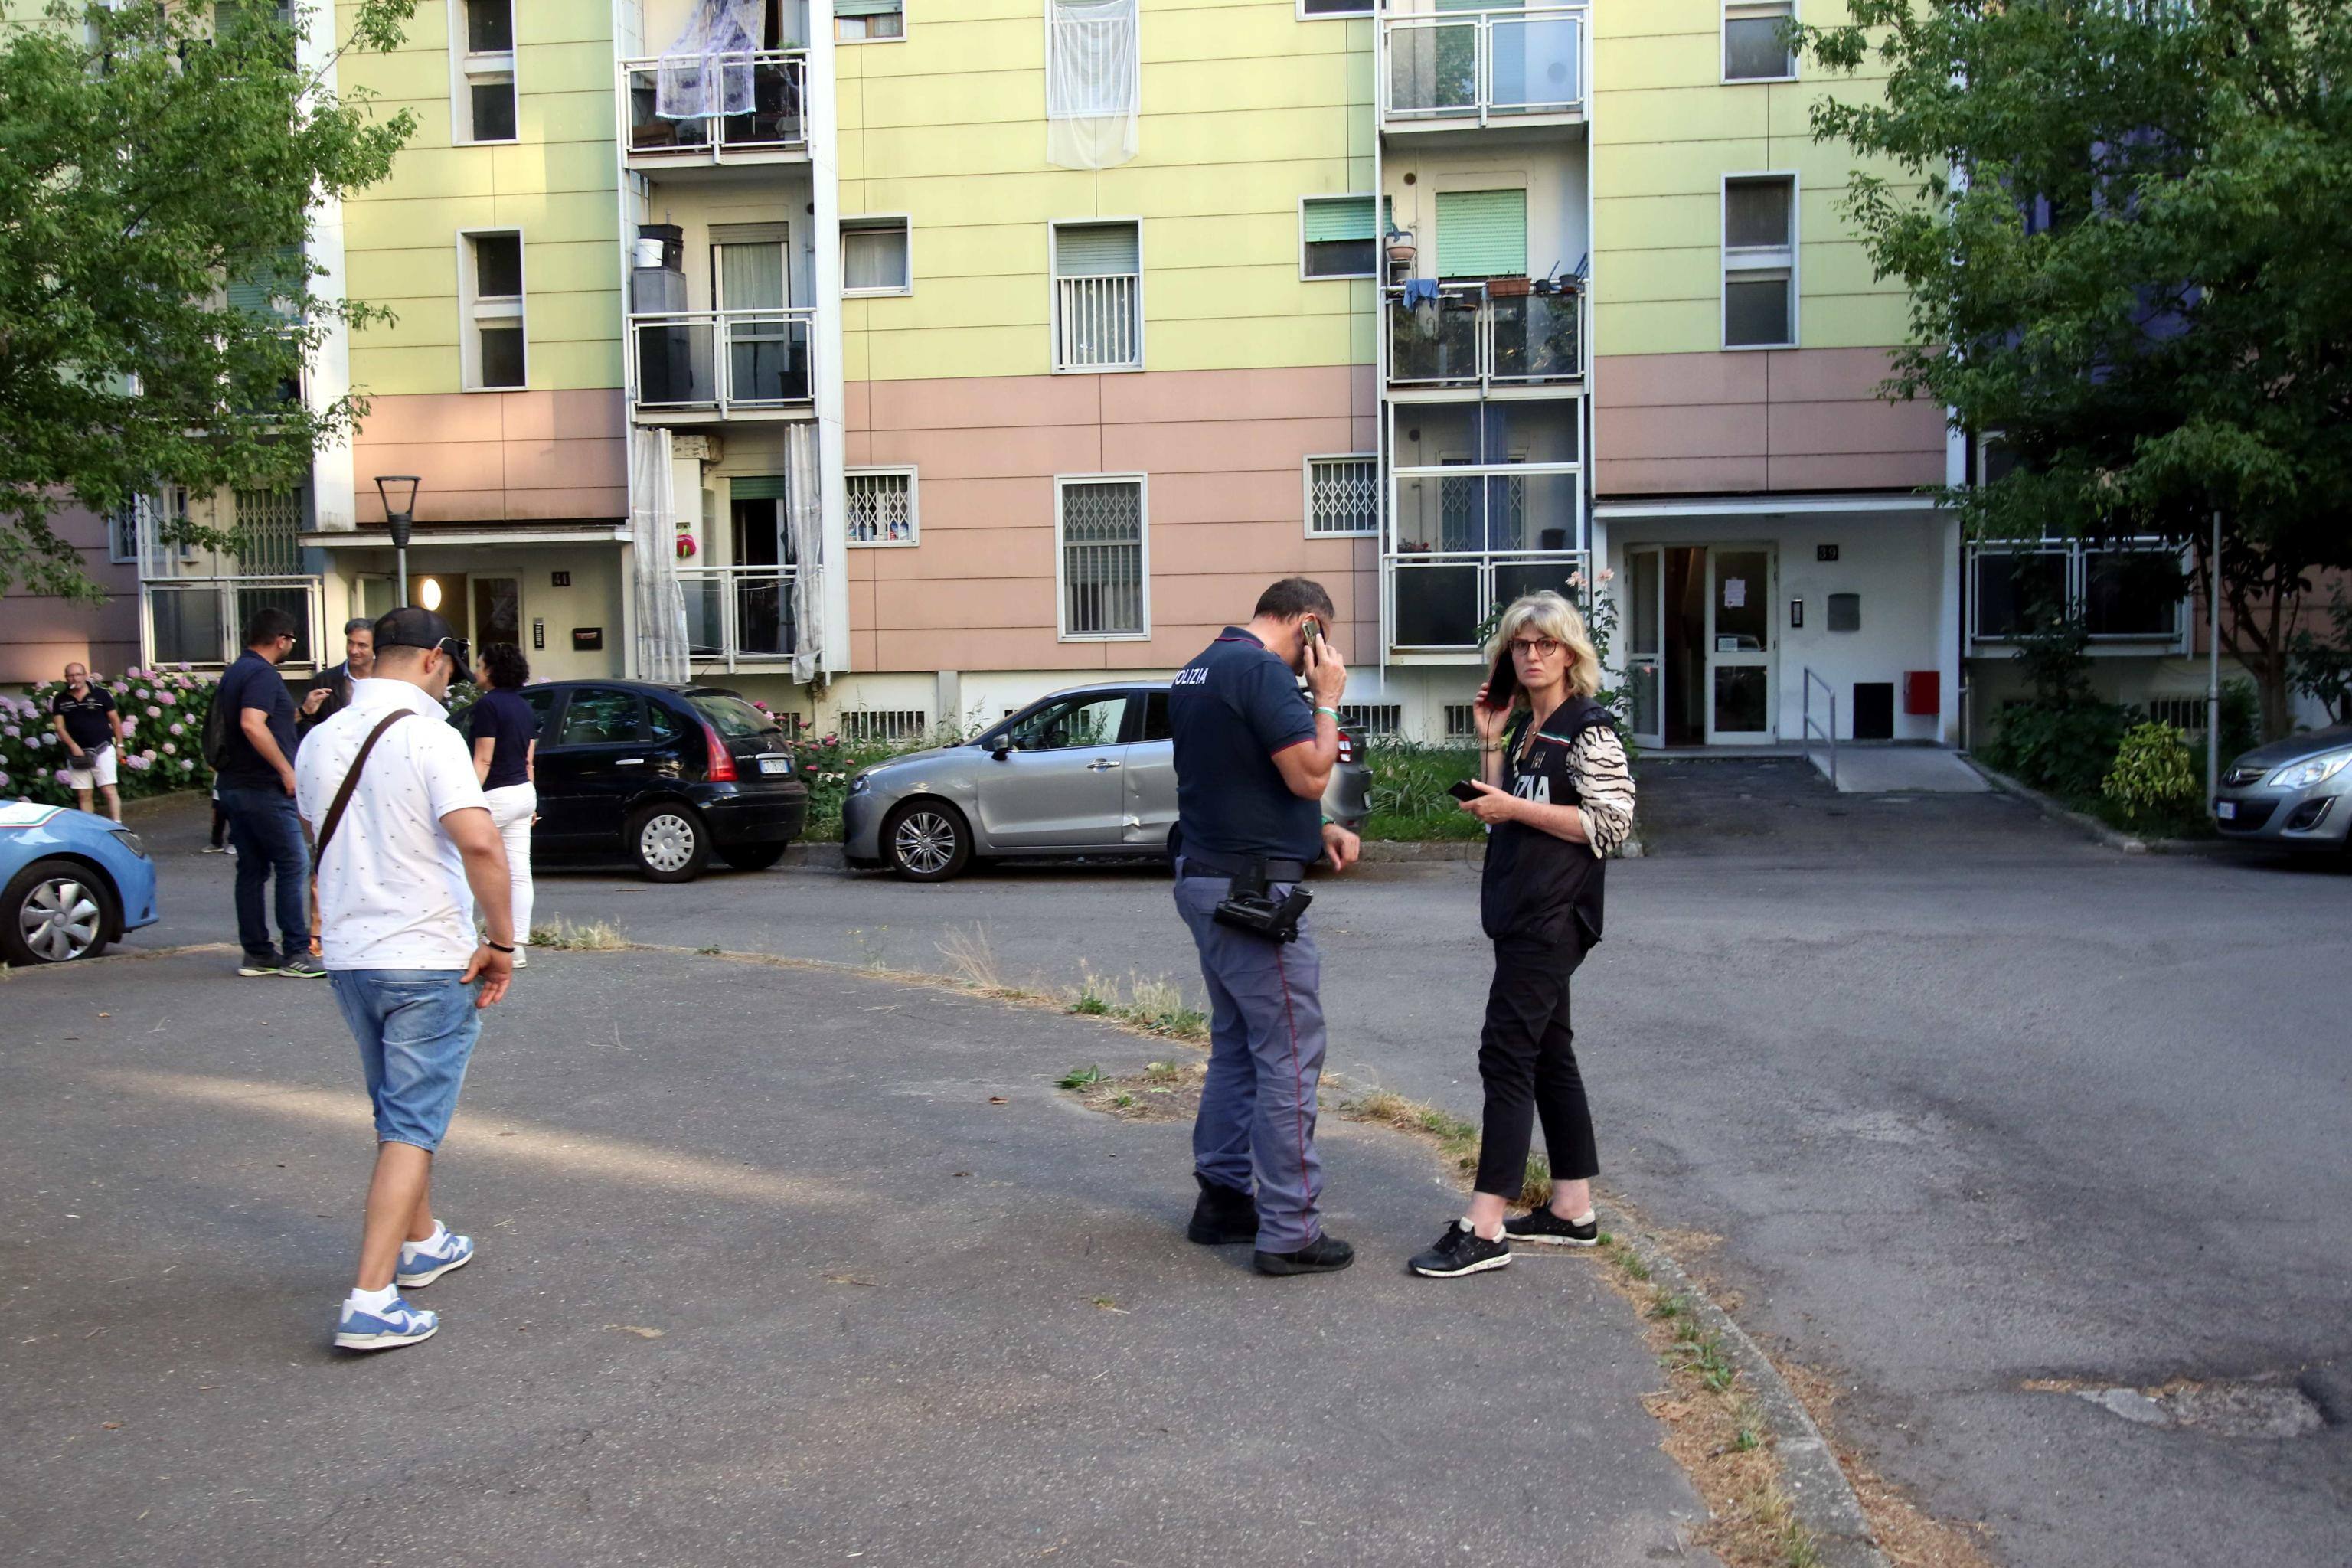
x=1605 y=786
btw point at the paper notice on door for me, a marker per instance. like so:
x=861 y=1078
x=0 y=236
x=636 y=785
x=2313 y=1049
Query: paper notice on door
x=1734 y=593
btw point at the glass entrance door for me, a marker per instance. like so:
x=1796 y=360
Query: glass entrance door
x=1645 y=653
x=1739 y=655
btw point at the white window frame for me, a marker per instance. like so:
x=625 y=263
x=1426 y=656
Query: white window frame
x=1758 y=258
x=871 y=221
x=2077 y=556
x=466 y=69
x=898 y=38
x=1378 y=239
x=914 y=505
x=473 y=311
x=1749 y=8
x=1054 y=228
x=1306 y=478
x=1142 y=483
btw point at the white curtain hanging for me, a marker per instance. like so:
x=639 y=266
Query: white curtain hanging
x=805 y=517
x=661 y=604
x=706 y=71
x=1093 y=82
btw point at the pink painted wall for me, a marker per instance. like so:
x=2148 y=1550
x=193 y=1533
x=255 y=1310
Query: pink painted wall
x=1793 y=420
x=39 y=635
x=1224 y=455
x=499 y=457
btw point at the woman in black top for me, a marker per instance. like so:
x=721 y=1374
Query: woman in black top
x=505 y=734
x=1557 y=797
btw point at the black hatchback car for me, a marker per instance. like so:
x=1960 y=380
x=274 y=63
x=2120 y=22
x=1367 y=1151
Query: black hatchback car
x=668 y=775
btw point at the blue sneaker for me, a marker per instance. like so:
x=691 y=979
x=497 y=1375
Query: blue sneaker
x=398 y=1324
x=423 y=1262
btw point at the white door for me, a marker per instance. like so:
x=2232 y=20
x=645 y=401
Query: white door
x=1739 y=646
x=1645 y=650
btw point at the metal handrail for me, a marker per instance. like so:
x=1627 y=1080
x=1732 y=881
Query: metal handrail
x=1830 y=733
x=1482 y=25
x=726 y=330
x=1486 y=366
x=730 y=650
x=787 y=67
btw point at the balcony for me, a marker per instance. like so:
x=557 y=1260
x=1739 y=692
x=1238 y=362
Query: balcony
x=1467 y=337
x=775 y=129
x=721 y=364
x=1482 y=68
x=1467 y=540
x=737 y=615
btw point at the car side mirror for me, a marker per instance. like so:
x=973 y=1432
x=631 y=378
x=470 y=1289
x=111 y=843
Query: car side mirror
x=1002 y=748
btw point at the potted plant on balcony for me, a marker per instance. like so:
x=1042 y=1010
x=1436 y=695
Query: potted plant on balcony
x=1401 y=248
x=1509 y=288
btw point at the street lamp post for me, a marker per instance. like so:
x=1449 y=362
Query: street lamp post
x=399 y=494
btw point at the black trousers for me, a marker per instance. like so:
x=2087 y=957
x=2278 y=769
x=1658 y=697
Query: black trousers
x=1527 y=1056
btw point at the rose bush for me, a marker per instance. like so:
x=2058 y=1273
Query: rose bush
x=155 y=705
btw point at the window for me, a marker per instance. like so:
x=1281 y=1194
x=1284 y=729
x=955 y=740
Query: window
x=600 y=716
x=1102 y=557
x=1373 y=720
x=1155 y=726
x=1098 y=297
x=881 y=506
x=1482 y=234
x=482 y=62
x=1343 y=495
x=491 y=265
x=874 y=257
x=2128 y=591
x=1759 y=261
x=868 y=725
x=1335 y=7
x=1753 y=50
x=122 y=534
x=1335 y=233
x=868 y=21
x=1461 y=721
x=1067 y=724
x=1092 y=69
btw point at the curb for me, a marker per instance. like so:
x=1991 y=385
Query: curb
x=2090 y=827
x=1819 y=1493
x=1378 y=851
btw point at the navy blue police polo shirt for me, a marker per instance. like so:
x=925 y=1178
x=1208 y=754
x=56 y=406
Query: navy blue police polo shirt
x=1231 y=712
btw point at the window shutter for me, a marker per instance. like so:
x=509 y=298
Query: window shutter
x=1482 y=234
x=867 y=7
x=253 y=289
x=1096 y=250
x=1348 y=218
x=756 y=487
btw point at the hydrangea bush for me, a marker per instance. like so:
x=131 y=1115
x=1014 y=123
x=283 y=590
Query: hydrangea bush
x=163 y=712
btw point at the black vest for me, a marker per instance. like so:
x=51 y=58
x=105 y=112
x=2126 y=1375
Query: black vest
x=1539 y=892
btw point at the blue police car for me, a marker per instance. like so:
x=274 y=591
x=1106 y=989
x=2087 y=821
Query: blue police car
x=71 y=883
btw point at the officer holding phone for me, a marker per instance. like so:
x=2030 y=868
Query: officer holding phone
x=1253 y=760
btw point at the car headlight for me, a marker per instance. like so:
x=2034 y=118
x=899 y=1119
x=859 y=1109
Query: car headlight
x=2311 y=770
x=130 y=841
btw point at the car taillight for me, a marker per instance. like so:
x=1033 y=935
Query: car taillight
x=1347 y=748
x=722 y=760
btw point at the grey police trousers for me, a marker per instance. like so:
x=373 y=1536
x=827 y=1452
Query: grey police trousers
x=1257 y=1127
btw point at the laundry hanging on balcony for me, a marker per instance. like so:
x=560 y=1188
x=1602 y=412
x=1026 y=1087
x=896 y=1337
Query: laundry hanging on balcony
x=706 y=71
x=1094 y=86
x=804 y=521
x=661 y=603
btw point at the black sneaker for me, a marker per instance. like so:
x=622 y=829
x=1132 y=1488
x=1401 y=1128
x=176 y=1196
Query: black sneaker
x=1223 y=1215
x=1547 y=1227
x=1461 y=1250
x=1324 y=1254
x=301 y=966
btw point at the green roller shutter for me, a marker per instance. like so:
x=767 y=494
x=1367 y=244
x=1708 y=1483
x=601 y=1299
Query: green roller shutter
x=1482 y=234
x=1096 y=250
x=253 y=288
x=868 y=7
x=1347 y=217
x=756 y=487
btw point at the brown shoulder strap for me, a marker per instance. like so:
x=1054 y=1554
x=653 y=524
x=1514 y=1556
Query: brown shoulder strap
x=351 y=779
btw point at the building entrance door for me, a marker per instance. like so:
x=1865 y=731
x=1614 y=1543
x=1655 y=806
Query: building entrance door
x=1699 y=653
x=1738 y=648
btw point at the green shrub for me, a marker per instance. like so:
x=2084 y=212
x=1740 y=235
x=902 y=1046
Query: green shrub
x=2151 y=775
x=2065 y=749
x=1409 y=785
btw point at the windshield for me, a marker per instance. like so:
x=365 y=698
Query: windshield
x=732 y=717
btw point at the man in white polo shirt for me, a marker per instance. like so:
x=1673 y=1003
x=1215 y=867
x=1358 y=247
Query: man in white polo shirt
x=403 y=831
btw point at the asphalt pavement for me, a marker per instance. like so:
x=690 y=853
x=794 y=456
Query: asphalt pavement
x=1974 y=1103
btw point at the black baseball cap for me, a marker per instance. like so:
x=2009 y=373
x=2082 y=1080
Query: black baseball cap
x=412 y=625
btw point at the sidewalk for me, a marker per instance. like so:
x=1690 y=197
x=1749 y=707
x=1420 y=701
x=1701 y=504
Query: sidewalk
x=778 y=1267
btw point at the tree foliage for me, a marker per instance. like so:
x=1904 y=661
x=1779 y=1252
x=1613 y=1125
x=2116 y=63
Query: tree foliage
x=2123 y=226
x=148 y=160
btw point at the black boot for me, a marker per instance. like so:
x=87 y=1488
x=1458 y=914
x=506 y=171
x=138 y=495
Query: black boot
x=1224 y=1215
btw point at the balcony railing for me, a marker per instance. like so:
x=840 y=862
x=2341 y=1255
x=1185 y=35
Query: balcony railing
x=1098 y=322
x=776 y=124
x=1477 y=67
x=1465 y=337
x=1465 y=539
x=1438 y=604
x=199 y=620
x=727 y=361
x=740 y=614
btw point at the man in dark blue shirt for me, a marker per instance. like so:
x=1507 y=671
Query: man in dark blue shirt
x=1252 y=759
x=256 y=778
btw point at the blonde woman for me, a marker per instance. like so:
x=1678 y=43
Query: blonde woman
x=1557 y=797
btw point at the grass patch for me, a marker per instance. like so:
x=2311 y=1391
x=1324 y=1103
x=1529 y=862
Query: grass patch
x=1080 y=1078
x=591 y=936
x=1409 y=784
x=1456 y=1139
x=1162 y=1091
x=1157 y=1006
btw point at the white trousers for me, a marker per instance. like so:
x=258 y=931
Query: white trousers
x=513 y=808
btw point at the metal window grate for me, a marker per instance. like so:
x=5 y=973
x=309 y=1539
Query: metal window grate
x=1343 y=495
x=1374 y=721
x=1102 y=559
x=881 y=508
x=1460 y=723
x=888 y=725
x=1101 y=327
x=268 y=530
x=2185 y=714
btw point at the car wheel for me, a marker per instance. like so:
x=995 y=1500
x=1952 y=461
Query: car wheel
x=927 y=841
x=53 y=911
x=668 y=842
x=752 y=857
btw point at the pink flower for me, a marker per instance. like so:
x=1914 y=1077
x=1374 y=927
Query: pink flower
x=1608 y=574
x=170 y=749
x=179 y=729
x=167 y=699
x=185 y=664
x=1576 y=579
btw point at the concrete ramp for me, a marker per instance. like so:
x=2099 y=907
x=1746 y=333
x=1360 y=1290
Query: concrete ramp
x=1884 y=770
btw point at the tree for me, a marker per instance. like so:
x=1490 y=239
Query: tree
x=2123 y=226
x=159 y=165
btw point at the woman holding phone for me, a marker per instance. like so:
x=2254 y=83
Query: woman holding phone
x=1555 y=793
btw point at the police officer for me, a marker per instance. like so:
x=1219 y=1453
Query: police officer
x=1253 y=758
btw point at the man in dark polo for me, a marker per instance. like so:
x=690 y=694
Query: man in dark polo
x=1252 y=759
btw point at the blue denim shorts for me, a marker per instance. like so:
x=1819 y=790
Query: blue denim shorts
x=417 y=1029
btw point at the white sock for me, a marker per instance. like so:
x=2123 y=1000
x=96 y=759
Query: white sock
x=1584 y=1218
x=440 y=1233
x=1472 y=1226
x=374 y=1300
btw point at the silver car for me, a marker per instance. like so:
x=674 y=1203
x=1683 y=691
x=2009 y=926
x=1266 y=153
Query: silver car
x=2296 y=792
x=1088 y=771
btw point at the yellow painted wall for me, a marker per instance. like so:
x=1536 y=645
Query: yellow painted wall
x=1667 y=129
x=1247 y=108
x=557 y=184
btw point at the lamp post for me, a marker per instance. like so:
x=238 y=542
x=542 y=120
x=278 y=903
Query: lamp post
x=399 y=494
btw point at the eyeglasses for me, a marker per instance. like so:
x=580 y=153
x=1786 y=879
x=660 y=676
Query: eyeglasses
x=459 y=652
x=1534 y=647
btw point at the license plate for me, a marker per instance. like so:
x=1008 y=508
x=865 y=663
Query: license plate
x=2226 y=810
x=775 y=764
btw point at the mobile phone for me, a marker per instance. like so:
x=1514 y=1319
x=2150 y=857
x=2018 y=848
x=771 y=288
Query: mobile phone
x=1503 y=682
x=1462 y=790
x=1311 y=628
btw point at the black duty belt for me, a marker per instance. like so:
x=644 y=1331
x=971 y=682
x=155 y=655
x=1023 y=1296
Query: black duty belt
x=1206 y=863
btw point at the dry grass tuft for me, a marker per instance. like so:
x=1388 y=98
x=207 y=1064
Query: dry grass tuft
x=1456 y=1139
x=1162 y=1091
x=1909 y=1536
x=1156 y=1007
x=591 y=936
